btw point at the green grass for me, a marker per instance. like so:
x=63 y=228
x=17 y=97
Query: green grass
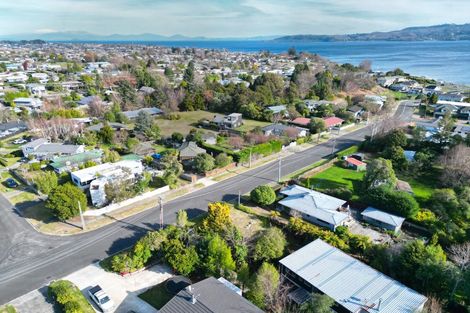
x=305 y=169
x=7 y=309
x=187 y=122
x=24 y=196
x=423 y=186
x=157 y=296
x=348 y=151
x=4 y=176
x=337 y=177
x=249 y=125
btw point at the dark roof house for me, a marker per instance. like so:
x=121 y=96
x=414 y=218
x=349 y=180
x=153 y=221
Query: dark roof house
x=189 y=150
x=209 y=296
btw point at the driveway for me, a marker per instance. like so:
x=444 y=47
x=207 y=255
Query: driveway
x=123 y=291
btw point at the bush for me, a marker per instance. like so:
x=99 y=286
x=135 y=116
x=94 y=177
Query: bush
x=395 y=202
x=69 y=297
x=203 y=163
x=270 y=245
x=263 y=195
x=35 y=166
x=223 y=160
x=63 y=201
x=46 y=182
x=244 y=208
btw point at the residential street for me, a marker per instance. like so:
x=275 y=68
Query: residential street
x=28 y=260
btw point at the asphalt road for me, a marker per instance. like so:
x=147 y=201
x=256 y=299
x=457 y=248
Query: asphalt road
x=29 y=260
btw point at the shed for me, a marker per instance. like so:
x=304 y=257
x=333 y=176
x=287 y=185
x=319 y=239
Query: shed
x=355 y=164
x=382 y=219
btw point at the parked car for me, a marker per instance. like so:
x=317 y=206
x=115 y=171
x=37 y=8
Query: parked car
x=101 y=298
x=19 y=141
x=11 y=183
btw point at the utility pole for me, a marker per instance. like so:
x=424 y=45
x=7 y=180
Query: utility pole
x=239 y=196
x=161 y=212
x=280 y=167
x=251 y=148
x=334 y=140
x=81 y=216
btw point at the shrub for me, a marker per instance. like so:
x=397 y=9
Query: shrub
x=395 y=202
x=63 y=201
x=263 y=195
x=203 y=163
x=69 y=297
x=223 y=160
x=46 y=182
x=270 y=245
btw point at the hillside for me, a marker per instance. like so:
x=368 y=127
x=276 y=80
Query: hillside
x=446 y=32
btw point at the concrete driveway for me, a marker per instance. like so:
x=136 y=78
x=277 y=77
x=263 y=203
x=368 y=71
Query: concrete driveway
x=123 y=291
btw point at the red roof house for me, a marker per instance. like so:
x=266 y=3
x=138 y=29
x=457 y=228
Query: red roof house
x=332 y=121
x=301 y=121
x=355 y=164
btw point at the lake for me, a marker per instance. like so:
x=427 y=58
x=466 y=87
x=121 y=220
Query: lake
x=443 y=60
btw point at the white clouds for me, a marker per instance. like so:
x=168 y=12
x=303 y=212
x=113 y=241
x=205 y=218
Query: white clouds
x=226 y=17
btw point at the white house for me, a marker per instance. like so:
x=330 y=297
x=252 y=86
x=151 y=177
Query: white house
x=28 y=103
x=36 y=89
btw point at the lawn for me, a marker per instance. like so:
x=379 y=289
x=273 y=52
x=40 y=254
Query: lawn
x=249 y=125
x=336 y=177
x=157 y=296
x=423 y=186
x=187 y=122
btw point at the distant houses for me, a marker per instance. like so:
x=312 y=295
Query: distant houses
x=354 y=286
x=283 y=130
x=150 y=111
x=42 y=149
x=31 y=104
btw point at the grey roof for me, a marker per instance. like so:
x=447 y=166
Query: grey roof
x=57 y=148
x=277 y=108
x=190 y=149
x=97 y=127
x=279 y=129
x=212 y=296
x=35 y=143
x=355 y=109
x=135 y=113
x=383 y=217
x=313 y=203
x=351 y=283
x=11 y=125
x=87 y=100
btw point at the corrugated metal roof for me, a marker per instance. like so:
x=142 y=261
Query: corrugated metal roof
x=383 y=217
x=313 y=203
x=351 y=283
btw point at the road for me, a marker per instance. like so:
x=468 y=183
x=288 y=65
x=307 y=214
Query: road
x=29 y=260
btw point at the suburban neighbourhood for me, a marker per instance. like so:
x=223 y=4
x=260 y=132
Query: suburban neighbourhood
x=142 y=178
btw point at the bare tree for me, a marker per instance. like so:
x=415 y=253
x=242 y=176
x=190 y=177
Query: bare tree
x=456 y=164
x=96 y=108
x=55 y=128
x=366 y=65
x=460 y=255
x=433 y=305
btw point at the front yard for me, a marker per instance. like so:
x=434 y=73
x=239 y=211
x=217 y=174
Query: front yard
x=188 y=121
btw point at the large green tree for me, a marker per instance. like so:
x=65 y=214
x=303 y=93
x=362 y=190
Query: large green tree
x=46 y=182
x=270 y=245
x=203 y=163
x=263 y=195
x=64 y=201
x=317 y=304
x=264 y=287
x=219 y=259
x=380 y=172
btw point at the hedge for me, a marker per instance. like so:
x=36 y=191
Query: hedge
x=69 y=297
x=263 y=149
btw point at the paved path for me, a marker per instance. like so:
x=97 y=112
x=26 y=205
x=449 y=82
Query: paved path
x=29 y=260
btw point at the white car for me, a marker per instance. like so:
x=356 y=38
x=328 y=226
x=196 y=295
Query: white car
x=19 y=141
x=101 y=299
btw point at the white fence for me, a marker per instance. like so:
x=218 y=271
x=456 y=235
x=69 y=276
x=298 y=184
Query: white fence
x=116 y=206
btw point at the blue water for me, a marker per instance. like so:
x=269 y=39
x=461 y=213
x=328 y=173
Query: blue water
x=448 y=61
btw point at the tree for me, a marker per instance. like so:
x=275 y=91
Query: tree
x=219 y=261
x=316 y=125
x=218 y=217
x=111 y=156
x=390 y=200
x=223 y=160
x=263 y=195
x=317 y=303
x=460 y=255
x=127 y=93
x=264 y=286
x=380 y=172
x=456 y=166
x=396 y=137
x=397 y=155
x=270 y=245
x=292 y=51
x=46 y=182
x=63 y=201
x=107 y=134
x=182 y=259
x=203 y=163
x=177 y=137
x=182 y=218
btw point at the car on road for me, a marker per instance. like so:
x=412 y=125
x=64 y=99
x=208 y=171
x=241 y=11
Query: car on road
x=11 y=183
x=101 y=299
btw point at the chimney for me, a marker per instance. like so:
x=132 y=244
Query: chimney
x=193 y=299
x=378 y=306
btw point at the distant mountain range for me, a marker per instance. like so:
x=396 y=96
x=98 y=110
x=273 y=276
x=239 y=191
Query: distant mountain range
x=85 y=36
x=445 y=32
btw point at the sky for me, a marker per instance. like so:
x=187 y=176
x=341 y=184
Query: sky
x=225 y=18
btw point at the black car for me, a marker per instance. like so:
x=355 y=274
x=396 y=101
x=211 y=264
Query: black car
x=11 y=183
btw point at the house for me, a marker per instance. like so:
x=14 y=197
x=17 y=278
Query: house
x=209 y=296
x=314 y=206
x=300 y=121
x=278 y=110
x=96 y=177
x=36 y=89
x=458 y=109
x=409 y=155
x=146 y=90
x=382 y=219
x=354 y=286
x=99 y=126
x=356 y=111
x=28 y=103
x=189 y=150
x=429 y=90
x=313 y=104
x=230 y=121
x=355 y=164
x=150 y=111
x=462 y=130
x=209 y=138
x=379 y=101
x=85 y=101
x=333 y=121
x=456 y=97
x=67 y=163
x=43 y=150
x=281 y=130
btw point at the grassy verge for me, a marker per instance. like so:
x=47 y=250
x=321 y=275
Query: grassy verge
x=157 y=296
x=7 y=309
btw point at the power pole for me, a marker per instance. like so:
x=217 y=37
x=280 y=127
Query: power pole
x=81 y=216
x=250 y=156
x=161 y=212
x=239 y=196
x=280 y=167
x=334 y=141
